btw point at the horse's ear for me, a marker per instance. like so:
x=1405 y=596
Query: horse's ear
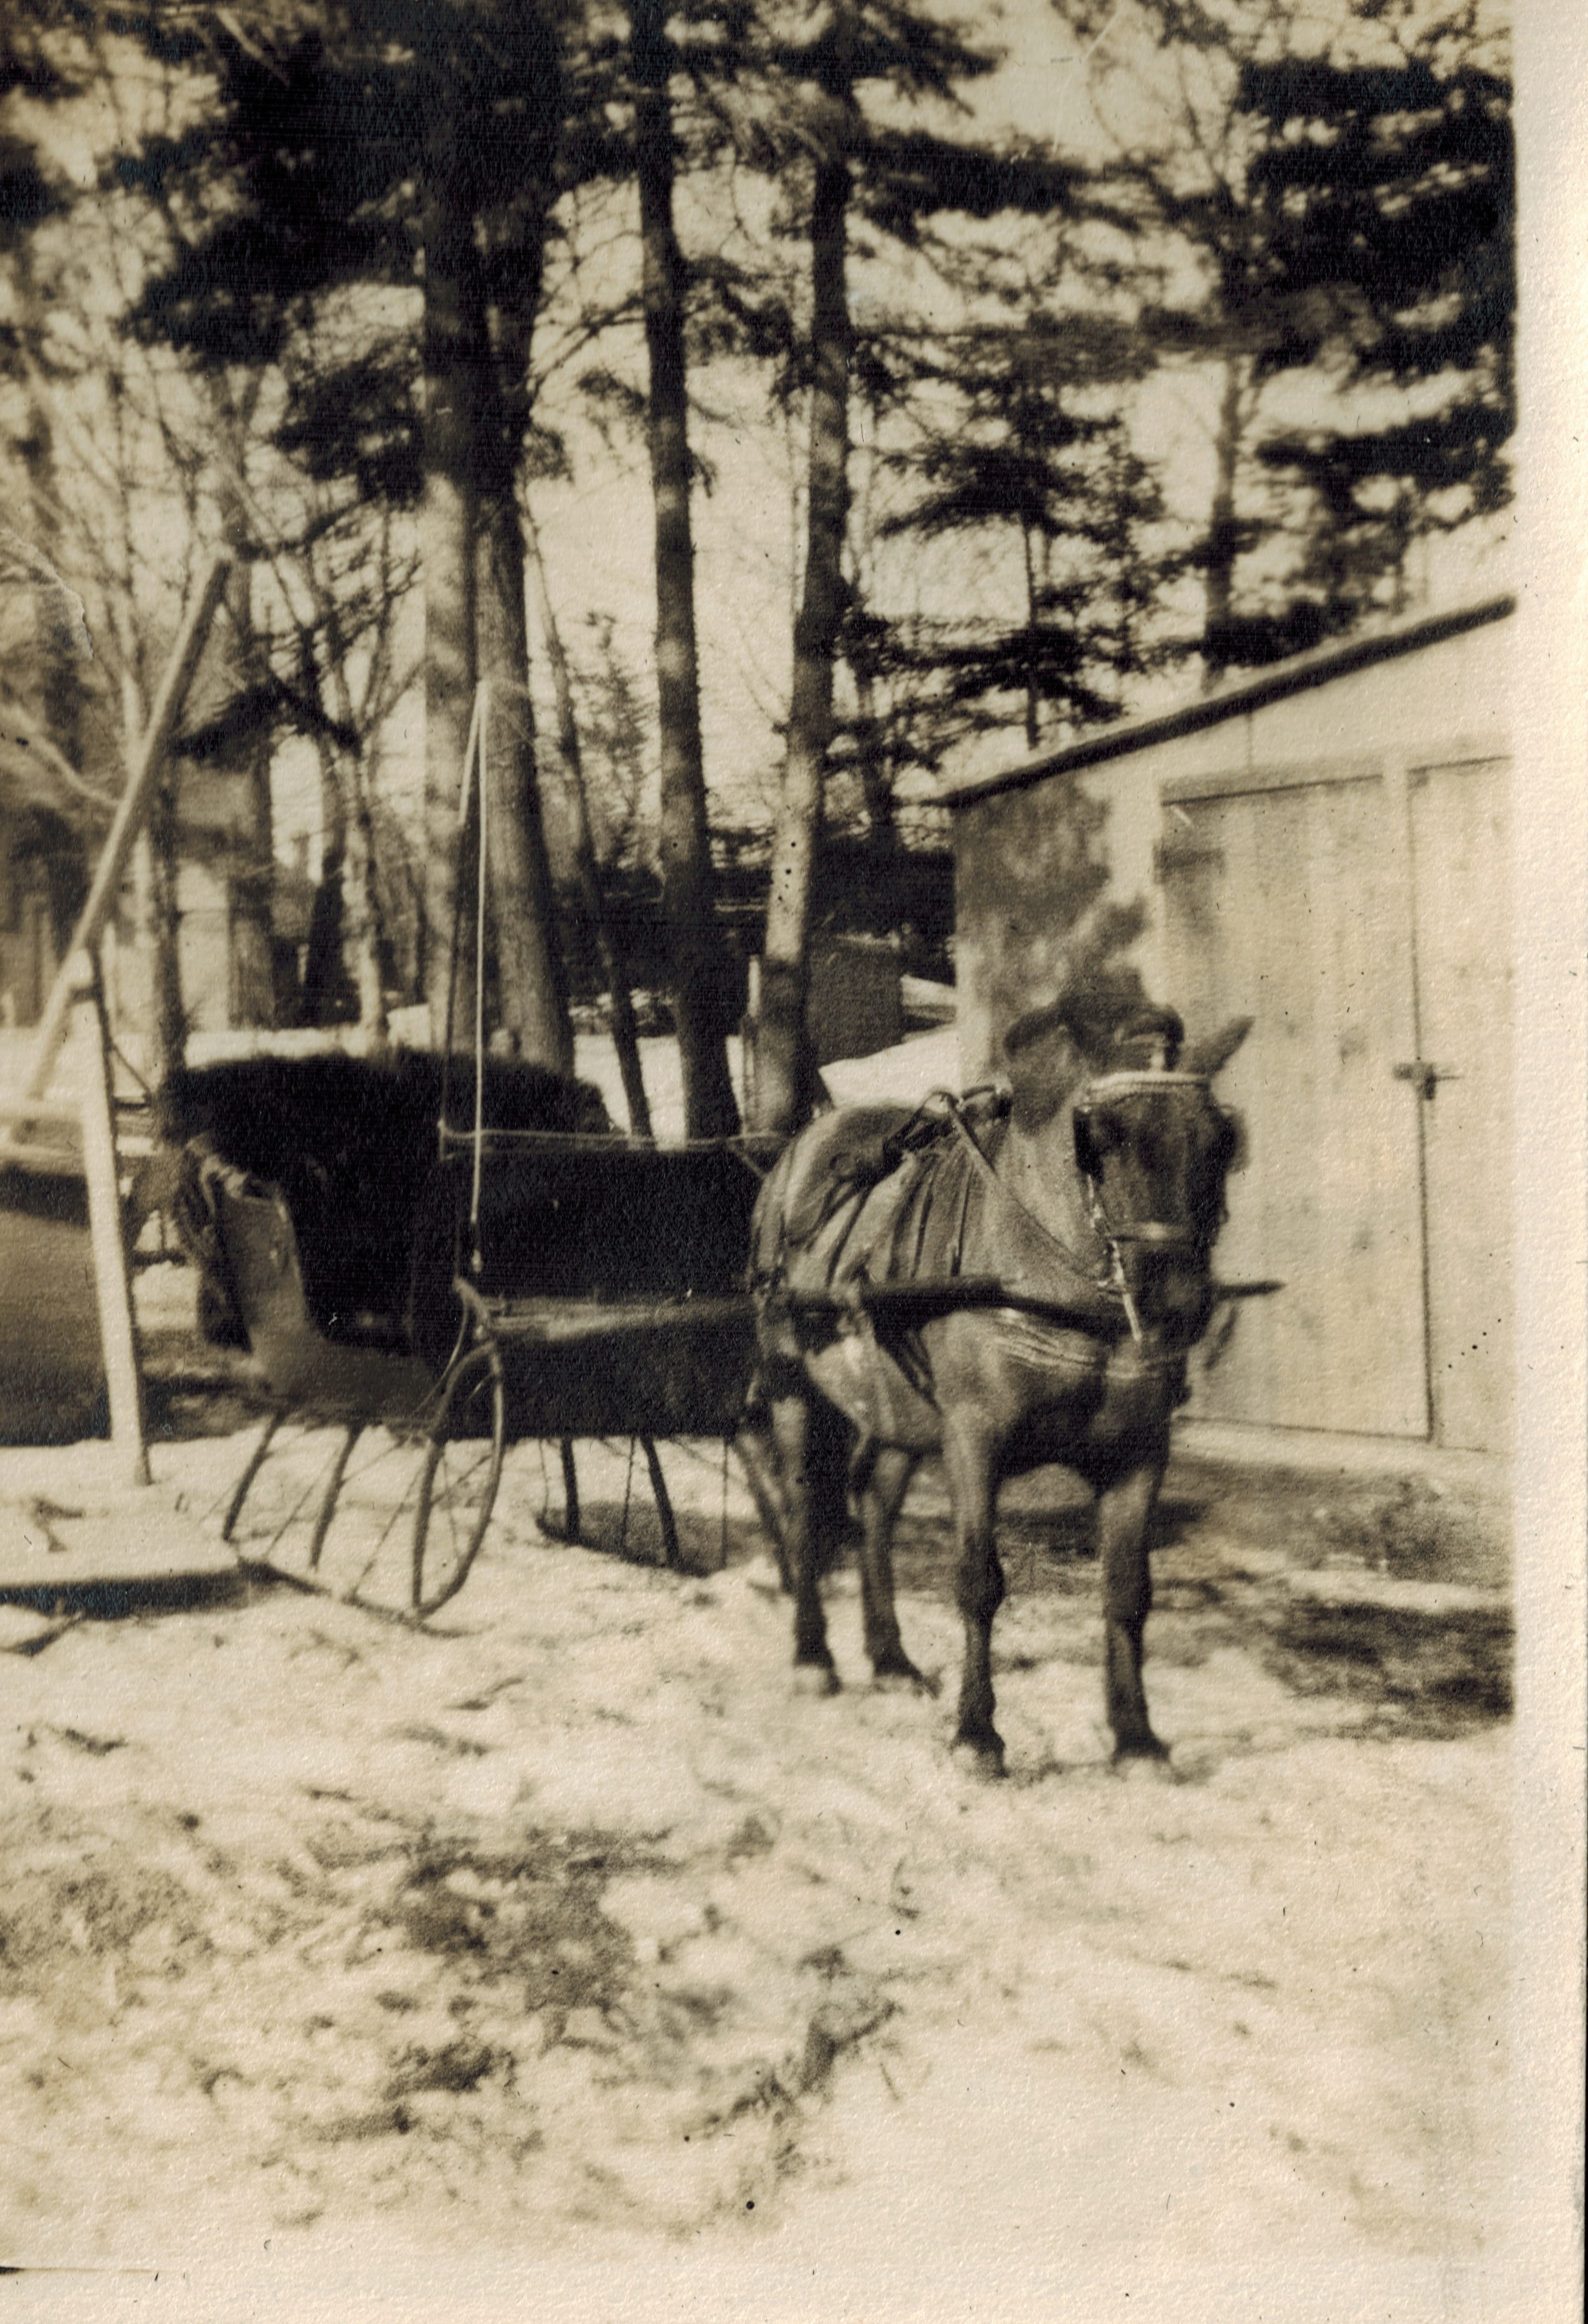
x=1210 y=1056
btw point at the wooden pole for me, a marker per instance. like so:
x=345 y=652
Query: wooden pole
x=112 y=1282
x=129 y=818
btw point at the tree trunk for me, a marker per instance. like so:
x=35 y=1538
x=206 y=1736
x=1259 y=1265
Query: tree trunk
x=782 y=1066
x=876 y=781
x=687 y=899
x=157 y=862
x=168 y=1026
x=61 y=641
x=369 y=945
x=531 y=986
x=1033 y=702
x=626 y=1034
x=1222 y=537
x=254 y=995
x=253 y=1001
x=453 y=367
x=330 y=994
x=57 y=624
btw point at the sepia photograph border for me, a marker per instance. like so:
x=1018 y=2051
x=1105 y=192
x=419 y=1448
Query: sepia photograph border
x=1532 y=2274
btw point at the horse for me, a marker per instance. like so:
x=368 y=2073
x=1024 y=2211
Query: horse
x=1011 y=1279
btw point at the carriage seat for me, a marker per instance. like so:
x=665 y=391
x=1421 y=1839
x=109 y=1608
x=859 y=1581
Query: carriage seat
x=309 y=1264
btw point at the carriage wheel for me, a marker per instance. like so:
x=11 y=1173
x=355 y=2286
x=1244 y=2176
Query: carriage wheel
x=328 y=1508
x=289 y=1490
x=664 y=1508
x=256 y=1460
x=457 y=1484
x=359 y=1550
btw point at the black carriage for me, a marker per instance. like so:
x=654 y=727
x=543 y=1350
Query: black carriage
x=552 y=1286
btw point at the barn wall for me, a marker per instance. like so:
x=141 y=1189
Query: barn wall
x=1334 y=863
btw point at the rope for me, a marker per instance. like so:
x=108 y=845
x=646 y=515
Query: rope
x=744 y=1149
x=463 y=799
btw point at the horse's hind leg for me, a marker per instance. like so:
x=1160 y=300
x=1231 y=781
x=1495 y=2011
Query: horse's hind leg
x=804 y=1459
x=887 y=1476
x=1125 y=1514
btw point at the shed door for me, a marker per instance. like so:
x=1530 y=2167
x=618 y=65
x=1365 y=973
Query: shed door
x=1461 y=857
x=1289 y=904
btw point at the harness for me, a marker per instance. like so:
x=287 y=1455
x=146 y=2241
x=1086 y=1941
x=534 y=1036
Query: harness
x=1103 y=1288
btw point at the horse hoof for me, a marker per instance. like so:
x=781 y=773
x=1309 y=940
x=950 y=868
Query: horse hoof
x=1143 y=1758
x=902 y=1677
x=816 y=1679
x=985 y=1761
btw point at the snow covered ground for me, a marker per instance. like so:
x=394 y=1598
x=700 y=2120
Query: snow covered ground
x=559 y=1959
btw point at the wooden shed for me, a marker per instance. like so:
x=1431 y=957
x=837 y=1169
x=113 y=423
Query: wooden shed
x=1324 y=846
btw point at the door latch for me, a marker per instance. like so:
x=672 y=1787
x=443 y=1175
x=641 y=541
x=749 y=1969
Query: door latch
x=1426 y=1077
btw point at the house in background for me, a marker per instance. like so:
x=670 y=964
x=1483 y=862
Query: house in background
x=53 y=822
x=41 y=883
x=1325 y=847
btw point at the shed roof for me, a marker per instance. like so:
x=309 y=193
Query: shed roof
x=1233 y=699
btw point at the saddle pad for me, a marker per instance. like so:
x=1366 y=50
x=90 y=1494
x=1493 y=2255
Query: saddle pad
x=866 y=1145
x=907 y=1224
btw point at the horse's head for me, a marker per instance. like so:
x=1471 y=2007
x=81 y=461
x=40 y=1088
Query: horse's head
x=1155 y=1148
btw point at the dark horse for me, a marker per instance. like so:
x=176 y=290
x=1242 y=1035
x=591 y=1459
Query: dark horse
x=1013 y=1282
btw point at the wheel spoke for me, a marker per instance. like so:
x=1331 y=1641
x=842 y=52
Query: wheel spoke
x=458 y=1487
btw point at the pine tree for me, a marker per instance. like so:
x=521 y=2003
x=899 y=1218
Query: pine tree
x=1345 y=193
x=1395 y=187
x=710 y=1108
x=860 y=173
x=1029 y=443
x=42 y=674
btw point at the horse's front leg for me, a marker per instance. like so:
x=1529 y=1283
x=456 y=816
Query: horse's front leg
x=969 y=1460
x=881 y=1495
x=1125 y=1514
x=800 y=1443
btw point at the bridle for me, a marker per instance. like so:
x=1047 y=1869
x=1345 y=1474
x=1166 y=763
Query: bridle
x=1153 y=1234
